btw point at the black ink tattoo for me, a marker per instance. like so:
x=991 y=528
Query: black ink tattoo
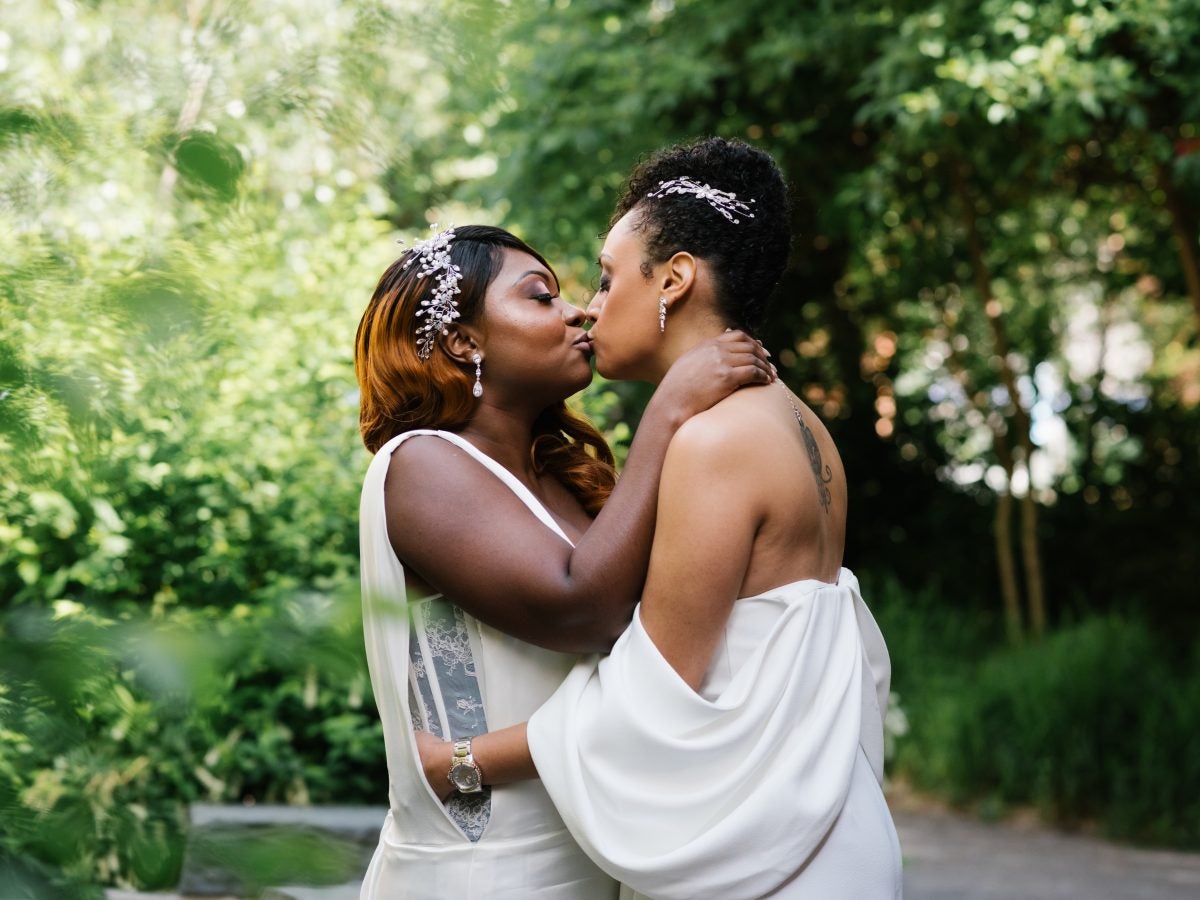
x=823 y=474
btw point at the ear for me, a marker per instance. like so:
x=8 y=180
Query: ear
x=460 y=344
x=678 y=276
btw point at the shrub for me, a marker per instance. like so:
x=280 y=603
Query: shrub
x=109 y=727
x=1092 y=724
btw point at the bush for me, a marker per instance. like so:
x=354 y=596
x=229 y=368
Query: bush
x=1092 y=724
x=110 y=727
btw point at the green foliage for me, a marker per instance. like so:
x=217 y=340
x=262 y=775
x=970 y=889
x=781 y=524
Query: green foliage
x=260 y=858
x=108 y=727
x=1096 y=724
x=194 y=203
x=1058 y=127
x=187 y=241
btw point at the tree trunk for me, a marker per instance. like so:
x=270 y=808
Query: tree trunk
x=1034 y=579
x=1184 y=228
x=1034 y=582
x=1006 y=564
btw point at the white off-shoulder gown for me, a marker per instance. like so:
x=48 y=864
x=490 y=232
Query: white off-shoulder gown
x=767 y=783
x=434 y=667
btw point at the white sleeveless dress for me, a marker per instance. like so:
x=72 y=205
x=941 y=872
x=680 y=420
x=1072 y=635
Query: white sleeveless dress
x=434 y=667
x=766 y=783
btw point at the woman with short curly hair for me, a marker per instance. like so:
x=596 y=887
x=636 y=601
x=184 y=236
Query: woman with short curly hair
x=731 y=744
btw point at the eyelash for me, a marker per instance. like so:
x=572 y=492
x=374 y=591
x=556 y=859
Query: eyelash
x=544 y=298
x=605 y=281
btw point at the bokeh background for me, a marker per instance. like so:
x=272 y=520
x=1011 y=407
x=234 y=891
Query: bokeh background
x=993 y=302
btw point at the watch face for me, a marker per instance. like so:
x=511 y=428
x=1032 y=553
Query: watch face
x=465 y=777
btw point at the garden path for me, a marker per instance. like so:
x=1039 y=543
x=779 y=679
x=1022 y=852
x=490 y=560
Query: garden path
x=952 y=856
x=948 y=855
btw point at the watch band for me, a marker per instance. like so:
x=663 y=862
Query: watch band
x=465 y=774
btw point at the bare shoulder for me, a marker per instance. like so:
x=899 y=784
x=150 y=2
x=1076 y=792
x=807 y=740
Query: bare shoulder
x=420 y=455
x=438 y=495
x=427 y=466
x=730 y=429
x=759 y=440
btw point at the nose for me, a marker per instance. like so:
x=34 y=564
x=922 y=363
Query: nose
x=593 y=308
x=572 y=314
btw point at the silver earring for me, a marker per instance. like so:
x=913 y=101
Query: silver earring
x=662 y=315
x=478 y=389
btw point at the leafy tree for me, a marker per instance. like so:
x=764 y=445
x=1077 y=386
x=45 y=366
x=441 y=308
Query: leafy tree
x=966 y=176
x=190 y=224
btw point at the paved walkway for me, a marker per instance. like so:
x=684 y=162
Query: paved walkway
x=947 y=856
x=950 y=856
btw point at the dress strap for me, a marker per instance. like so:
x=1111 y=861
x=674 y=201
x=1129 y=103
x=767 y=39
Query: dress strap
x=509 y=479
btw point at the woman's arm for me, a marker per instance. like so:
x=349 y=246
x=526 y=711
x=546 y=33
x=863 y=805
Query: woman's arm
x=471 y=538
x=502 y=757
x=707 y=520
x=710 y=508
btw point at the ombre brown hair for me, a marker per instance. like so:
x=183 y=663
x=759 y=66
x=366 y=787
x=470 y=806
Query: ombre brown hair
x=400 y=392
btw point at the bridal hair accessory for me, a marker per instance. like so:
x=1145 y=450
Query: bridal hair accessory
x=441 y=309
x=662 y=315
x=724 y=202
x=478 y=389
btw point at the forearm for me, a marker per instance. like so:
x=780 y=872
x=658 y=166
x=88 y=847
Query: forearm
x=608 y=566
x=502 y=756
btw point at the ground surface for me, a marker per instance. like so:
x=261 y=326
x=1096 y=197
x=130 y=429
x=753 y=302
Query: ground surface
x=947 y=856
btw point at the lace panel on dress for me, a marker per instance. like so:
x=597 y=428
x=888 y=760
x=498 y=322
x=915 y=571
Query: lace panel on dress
x=444 y=695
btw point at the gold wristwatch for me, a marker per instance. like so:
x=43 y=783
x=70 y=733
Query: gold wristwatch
x=465 y=774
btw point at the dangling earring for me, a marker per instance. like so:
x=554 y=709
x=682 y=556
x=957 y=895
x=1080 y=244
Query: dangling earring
x=478 y=389
x=662 y=315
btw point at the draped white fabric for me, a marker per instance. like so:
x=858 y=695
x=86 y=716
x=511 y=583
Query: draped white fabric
x=523 y=849
x=767 y=783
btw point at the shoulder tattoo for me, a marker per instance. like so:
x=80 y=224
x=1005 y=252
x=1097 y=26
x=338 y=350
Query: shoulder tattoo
x=821 y=472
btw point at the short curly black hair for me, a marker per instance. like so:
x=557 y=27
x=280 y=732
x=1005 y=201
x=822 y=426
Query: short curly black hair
x=747 y=258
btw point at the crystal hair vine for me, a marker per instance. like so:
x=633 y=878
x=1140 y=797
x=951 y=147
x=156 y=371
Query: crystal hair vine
x=724 y=202
x=440 y=309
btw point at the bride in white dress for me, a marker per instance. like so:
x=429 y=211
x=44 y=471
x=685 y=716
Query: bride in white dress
x=731 y=745
x=487 y=562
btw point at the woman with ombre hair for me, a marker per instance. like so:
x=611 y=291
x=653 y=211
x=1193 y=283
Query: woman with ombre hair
x=497 y=544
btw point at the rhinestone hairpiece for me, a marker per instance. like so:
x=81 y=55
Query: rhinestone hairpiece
x=724 y=202
x=441 y=309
